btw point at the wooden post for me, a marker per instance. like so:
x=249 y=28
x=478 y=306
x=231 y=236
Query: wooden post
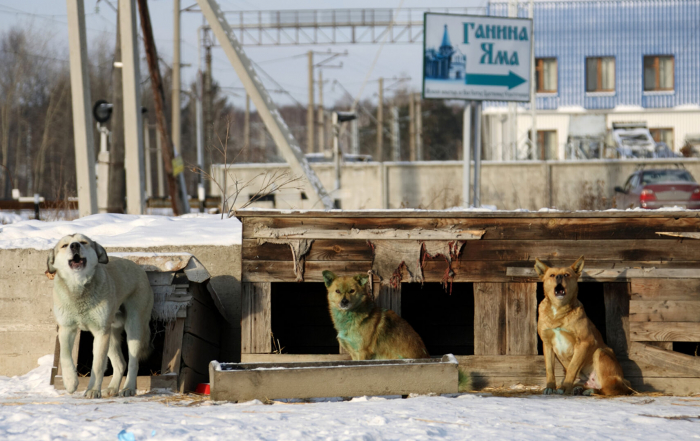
x=419 y=128
x=310 y=107
x=411 y=128
x=489 y=319
x=256 y=325
x=158 y=97
x=617 y=320
x=521 y=318
x=82 y=118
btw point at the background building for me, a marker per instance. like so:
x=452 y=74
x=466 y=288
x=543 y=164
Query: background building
x=622 y=60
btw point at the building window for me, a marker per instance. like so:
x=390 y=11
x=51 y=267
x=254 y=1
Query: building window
x=546 y=75
x=658 y=72
x=547 y=144
x=600 y=74
x=663 y=135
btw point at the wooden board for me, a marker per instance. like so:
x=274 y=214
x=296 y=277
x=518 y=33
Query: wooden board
x=521 y=318
x=664 y=331
x=489 y=319
x=665 y=310
x=197 y=353
x=309 y=232
x=256 y=325
x=333 y=379
x=672 y=361
x=204 y=322
x=388 y=298
x=534 y=226
x=616 y=298
x=143 y=383
x=172 y=346
x=665 y=289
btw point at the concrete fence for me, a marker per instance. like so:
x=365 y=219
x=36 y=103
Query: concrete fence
x=531 y=185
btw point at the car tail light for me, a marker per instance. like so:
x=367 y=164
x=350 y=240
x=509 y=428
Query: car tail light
x=695 y=196
x=647 y=195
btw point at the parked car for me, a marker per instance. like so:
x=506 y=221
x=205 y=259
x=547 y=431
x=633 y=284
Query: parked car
x=657 y=188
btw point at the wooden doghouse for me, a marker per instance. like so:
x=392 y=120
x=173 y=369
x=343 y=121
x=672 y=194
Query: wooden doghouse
x=465 y=281
x=185 y=326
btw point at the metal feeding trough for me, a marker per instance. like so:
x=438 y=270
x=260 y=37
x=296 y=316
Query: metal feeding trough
x=248 y=381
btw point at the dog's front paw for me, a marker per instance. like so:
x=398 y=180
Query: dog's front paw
x=93 y=393
x=127 y=392
x=110 y=392
x=548 y=391
x=560 y=391
x=578 y=390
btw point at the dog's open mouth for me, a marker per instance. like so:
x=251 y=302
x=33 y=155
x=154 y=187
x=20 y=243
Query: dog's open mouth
x=77 y=263
x=559 y=291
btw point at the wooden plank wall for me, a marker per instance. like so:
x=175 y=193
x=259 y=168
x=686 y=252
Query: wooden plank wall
x=606 y=242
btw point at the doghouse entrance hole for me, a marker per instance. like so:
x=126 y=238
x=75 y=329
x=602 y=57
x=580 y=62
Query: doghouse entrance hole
x=148 y=367
x=444 y=321
x=301 y=323
x=592 y=298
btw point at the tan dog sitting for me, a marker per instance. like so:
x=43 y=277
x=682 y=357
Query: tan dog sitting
x=569 y=334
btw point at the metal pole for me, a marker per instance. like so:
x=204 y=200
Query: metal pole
x=147 y=157
x=176 y=129
x=379 y=154
x=355 y=132
x=411 y=129
x=133 y=130
x=321 y=125
x=466 y=152
x=477 y=154
x=246 y=130
x=533 y=93
x=419 y=129
x=395 y=135
x=82 y=119
x=201 y=192
x=103 y=172
x=336 y=150
x=159 y=164
x=512 y=107
x=286 y=144
x=310 y=108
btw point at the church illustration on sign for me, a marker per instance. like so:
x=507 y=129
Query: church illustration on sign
x=446 y=62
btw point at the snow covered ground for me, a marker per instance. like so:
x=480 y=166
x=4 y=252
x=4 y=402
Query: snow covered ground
x=124 y=230
x=31 y=410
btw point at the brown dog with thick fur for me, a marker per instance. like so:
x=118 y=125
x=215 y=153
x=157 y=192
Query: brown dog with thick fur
x=569 y=334
x=366 y=331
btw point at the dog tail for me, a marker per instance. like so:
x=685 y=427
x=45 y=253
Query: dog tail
x=464 y=381
x=617 y=386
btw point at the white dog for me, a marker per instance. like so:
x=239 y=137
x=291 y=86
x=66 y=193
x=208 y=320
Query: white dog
x=104 y=296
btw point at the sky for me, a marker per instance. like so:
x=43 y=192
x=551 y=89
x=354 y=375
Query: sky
x=396 y=60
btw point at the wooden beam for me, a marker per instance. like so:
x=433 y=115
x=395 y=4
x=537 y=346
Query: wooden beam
x=256 y=318
x=367 y=234
x=521 y=318
x=665 y=289
x=664 y=331
x=620 y=274
x=673 y=361
x=617 y=304
x=388 y=297
x=665 y=311
x=489 y=319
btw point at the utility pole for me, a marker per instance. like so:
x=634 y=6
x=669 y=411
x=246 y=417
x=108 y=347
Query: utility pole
x=208 y=98
x=379 y=153
x=116 y=195
x=262 y=146
x=176 y=190
x=321 y=125
x=133 y=128
x=147 y=156
x=419 y=128
x=82 y=119
x=395 y=135
x=159 y=164
x=355 y=141
x=246 y=131
x=411 y=128
x=310 y=107
x=176 y=129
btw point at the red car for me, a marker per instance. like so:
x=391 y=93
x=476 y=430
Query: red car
x=657 y=188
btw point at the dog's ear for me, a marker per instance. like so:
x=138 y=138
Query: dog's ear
x=362 y=279
x=540 y=268
x=577 y=267
x=49 y=262
x=101 y=253
x=328 y=278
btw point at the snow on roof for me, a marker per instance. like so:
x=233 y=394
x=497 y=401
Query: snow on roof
x=124 y=230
